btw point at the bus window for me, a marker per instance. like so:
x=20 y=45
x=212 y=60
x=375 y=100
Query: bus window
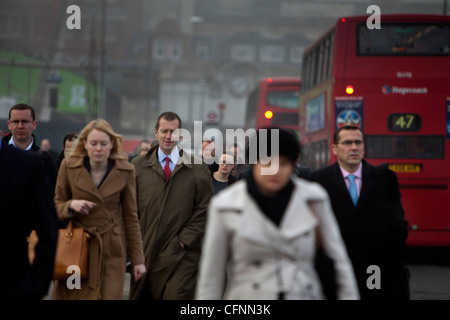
x=404 y=39
x=283 y=99
x=405 y=147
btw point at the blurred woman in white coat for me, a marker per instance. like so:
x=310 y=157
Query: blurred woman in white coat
x=262 y=233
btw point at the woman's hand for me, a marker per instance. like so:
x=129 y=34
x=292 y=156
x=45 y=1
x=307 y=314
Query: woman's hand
x=138 y=271
x=82 y=206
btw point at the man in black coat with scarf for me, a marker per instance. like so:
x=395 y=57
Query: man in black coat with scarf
x=372 y=224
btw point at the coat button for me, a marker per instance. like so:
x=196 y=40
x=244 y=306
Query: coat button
x=256 y=286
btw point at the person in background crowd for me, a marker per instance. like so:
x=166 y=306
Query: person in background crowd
x=209 y=154
x=265 y=231
x=27 y=204
x=367 y=205
x=22 y=122
x=173 y=193
x=143 y=147
x=240 y=162
x=222 y=178
x=46 y=146
x=96 y=188
x=68 y=143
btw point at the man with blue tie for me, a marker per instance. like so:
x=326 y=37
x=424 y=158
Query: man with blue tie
x=366 y=202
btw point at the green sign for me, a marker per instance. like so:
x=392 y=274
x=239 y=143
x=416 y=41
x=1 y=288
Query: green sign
x=21 y=84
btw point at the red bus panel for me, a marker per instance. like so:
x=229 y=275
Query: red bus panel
x=400 y=79
x=274 y=103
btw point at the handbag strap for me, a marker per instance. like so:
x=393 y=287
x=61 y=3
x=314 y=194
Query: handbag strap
x=69 y=231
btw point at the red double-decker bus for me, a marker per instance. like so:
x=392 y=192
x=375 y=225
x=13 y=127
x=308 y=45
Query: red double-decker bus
x=274 y=102
x=394 y=83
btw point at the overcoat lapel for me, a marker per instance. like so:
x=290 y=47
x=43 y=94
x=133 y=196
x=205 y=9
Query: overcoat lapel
x=5 y=160
x=152 y=162
x=183 y=160
x=368 y=183
x=114 y=182
x=83 y=180
x=252 y=224
x=338 y=184
x=292 y=225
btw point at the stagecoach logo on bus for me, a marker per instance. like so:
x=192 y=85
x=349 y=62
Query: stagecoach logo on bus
x=349 y=112
x=386 y=89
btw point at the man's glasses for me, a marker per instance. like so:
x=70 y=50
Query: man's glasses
x=349 y=143
x=24 y=122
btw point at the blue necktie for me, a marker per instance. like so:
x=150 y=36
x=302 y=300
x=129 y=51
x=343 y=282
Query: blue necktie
x=352 y=188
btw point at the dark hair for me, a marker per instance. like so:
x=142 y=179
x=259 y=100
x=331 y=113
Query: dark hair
x=70 y=137
x=22 y=106
x=169 y=116
x=288 y=144
x=346 y=127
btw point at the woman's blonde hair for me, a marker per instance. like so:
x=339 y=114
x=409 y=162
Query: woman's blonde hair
x=101 y=125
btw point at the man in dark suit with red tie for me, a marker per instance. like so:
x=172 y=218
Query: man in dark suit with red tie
x=367 y=205
x=26 y=203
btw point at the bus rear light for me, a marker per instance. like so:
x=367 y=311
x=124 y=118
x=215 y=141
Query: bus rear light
x=268 y=114
x=269 y=80
x=349 y=89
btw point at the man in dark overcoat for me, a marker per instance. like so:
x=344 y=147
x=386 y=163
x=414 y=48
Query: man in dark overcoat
x=173 y=193
x=26 y=203
x=372 y=225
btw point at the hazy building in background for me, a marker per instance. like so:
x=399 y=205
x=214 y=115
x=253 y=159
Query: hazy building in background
x=132 y=60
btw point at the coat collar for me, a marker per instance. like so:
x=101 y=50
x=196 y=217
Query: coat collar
x=185 y=160
x=292 y=224
x=34 y=146
x=77 y=162
x=152 y=157
x=112 y=183
x=368 y=180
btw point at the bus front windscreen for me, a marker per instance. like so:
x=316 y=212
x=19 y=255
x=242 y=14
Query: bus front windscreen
x=283 y=99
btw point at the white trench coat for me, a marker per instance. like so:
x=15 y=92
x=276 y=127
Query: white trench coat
x=247 y=257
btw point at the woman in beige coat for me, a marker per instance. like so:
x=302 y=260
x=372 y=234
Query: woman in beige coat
x=261 y=232
x=96 y=187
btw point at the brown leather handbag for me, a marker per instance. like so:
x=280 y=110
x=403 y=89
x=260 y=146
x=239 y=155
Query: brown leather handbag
x=72 y=249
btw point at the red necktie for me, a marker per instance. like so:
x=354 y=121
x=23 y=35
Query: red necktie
x=167 y=170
